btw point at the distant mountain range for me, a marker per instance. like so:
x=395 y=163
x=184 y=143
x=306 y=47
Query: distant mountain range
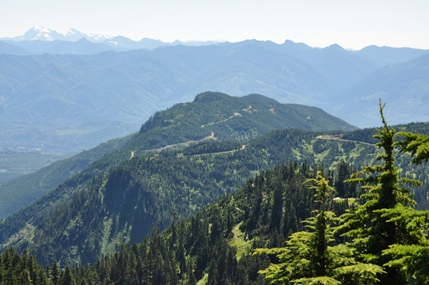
x=404 y=87
x=64 y=96
x=45 y=34
x=39 y=40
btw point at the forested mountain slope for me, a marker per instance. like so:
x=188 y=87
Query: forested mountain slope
x=230 y=118
x=213 y=247
x=211 y=116
x=218 y=239
x=121 y=205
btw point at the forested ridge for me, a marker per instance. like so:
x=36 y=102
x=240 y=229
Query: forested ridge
x=204 y=245
x=100 y=221
x=240 y=238
x=121 y=205
x=211 y=115
x=144 y=190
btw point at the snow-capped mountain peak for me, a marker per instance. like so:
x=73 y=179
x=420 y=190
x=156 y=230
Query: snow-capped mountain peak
x=74 y=35
x=97 y=37
x=44 y=34
x=41 y=34
x=41 y=29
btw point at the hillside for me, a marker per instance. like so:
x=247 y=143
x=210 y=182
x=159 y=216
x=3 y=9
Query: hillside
x=214 y=116
x=230 y=118
x=403 y=86
x=122 y=204
x=223 y=234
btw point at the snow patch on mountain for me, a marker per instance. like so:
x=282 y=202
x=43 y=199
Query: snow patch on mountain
x=40 y=33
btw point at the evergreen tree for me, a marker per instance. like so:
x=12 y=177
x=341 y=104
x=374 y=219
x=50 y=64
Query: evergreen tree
x=191 y=276
x=344 y=170
x=55 y=273
x=370 y=225
x=412 y=258
x=67 y=279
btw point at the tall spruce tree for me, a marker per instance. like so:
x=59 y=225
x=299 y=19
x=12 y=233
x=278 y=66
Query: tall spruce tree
x=374 y=226
x=412 y=259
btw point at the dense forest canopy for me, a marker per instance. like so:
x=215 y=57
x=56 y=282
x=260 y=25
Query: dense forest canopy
x=346 y=224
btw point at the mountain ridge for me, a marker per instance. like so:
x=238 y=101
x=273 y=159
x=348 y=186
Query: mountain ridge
x=241 y=119
x=403 y=86
x=122 y=204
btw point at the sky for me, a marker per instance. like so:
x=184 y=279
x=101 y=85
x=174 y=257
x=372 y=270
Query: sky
x=353 y=24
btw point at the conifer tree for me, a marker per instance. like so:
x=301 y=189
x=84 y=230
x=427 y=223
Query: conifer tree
x=372 y=226
x=67 y=279
x=55 y=273
x=412 y=259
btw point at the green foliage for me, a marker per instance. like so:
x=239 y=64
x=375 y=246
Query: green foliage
x=411 y=257
x=21 y=269
x=412 y=260
x=144 y=190
x=385 y=232
x=199 y=246
x=212 y=116
x=229 y=118
x=410 y=253
x=169 y=180
x=379 y=223
x=188 y=250
x=416 y=144
x=117 y=198
x=310 y=257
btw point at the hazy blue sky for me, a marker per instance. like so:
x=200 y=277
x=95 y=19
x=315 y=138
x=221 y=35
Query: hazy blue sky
x=350 y=23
